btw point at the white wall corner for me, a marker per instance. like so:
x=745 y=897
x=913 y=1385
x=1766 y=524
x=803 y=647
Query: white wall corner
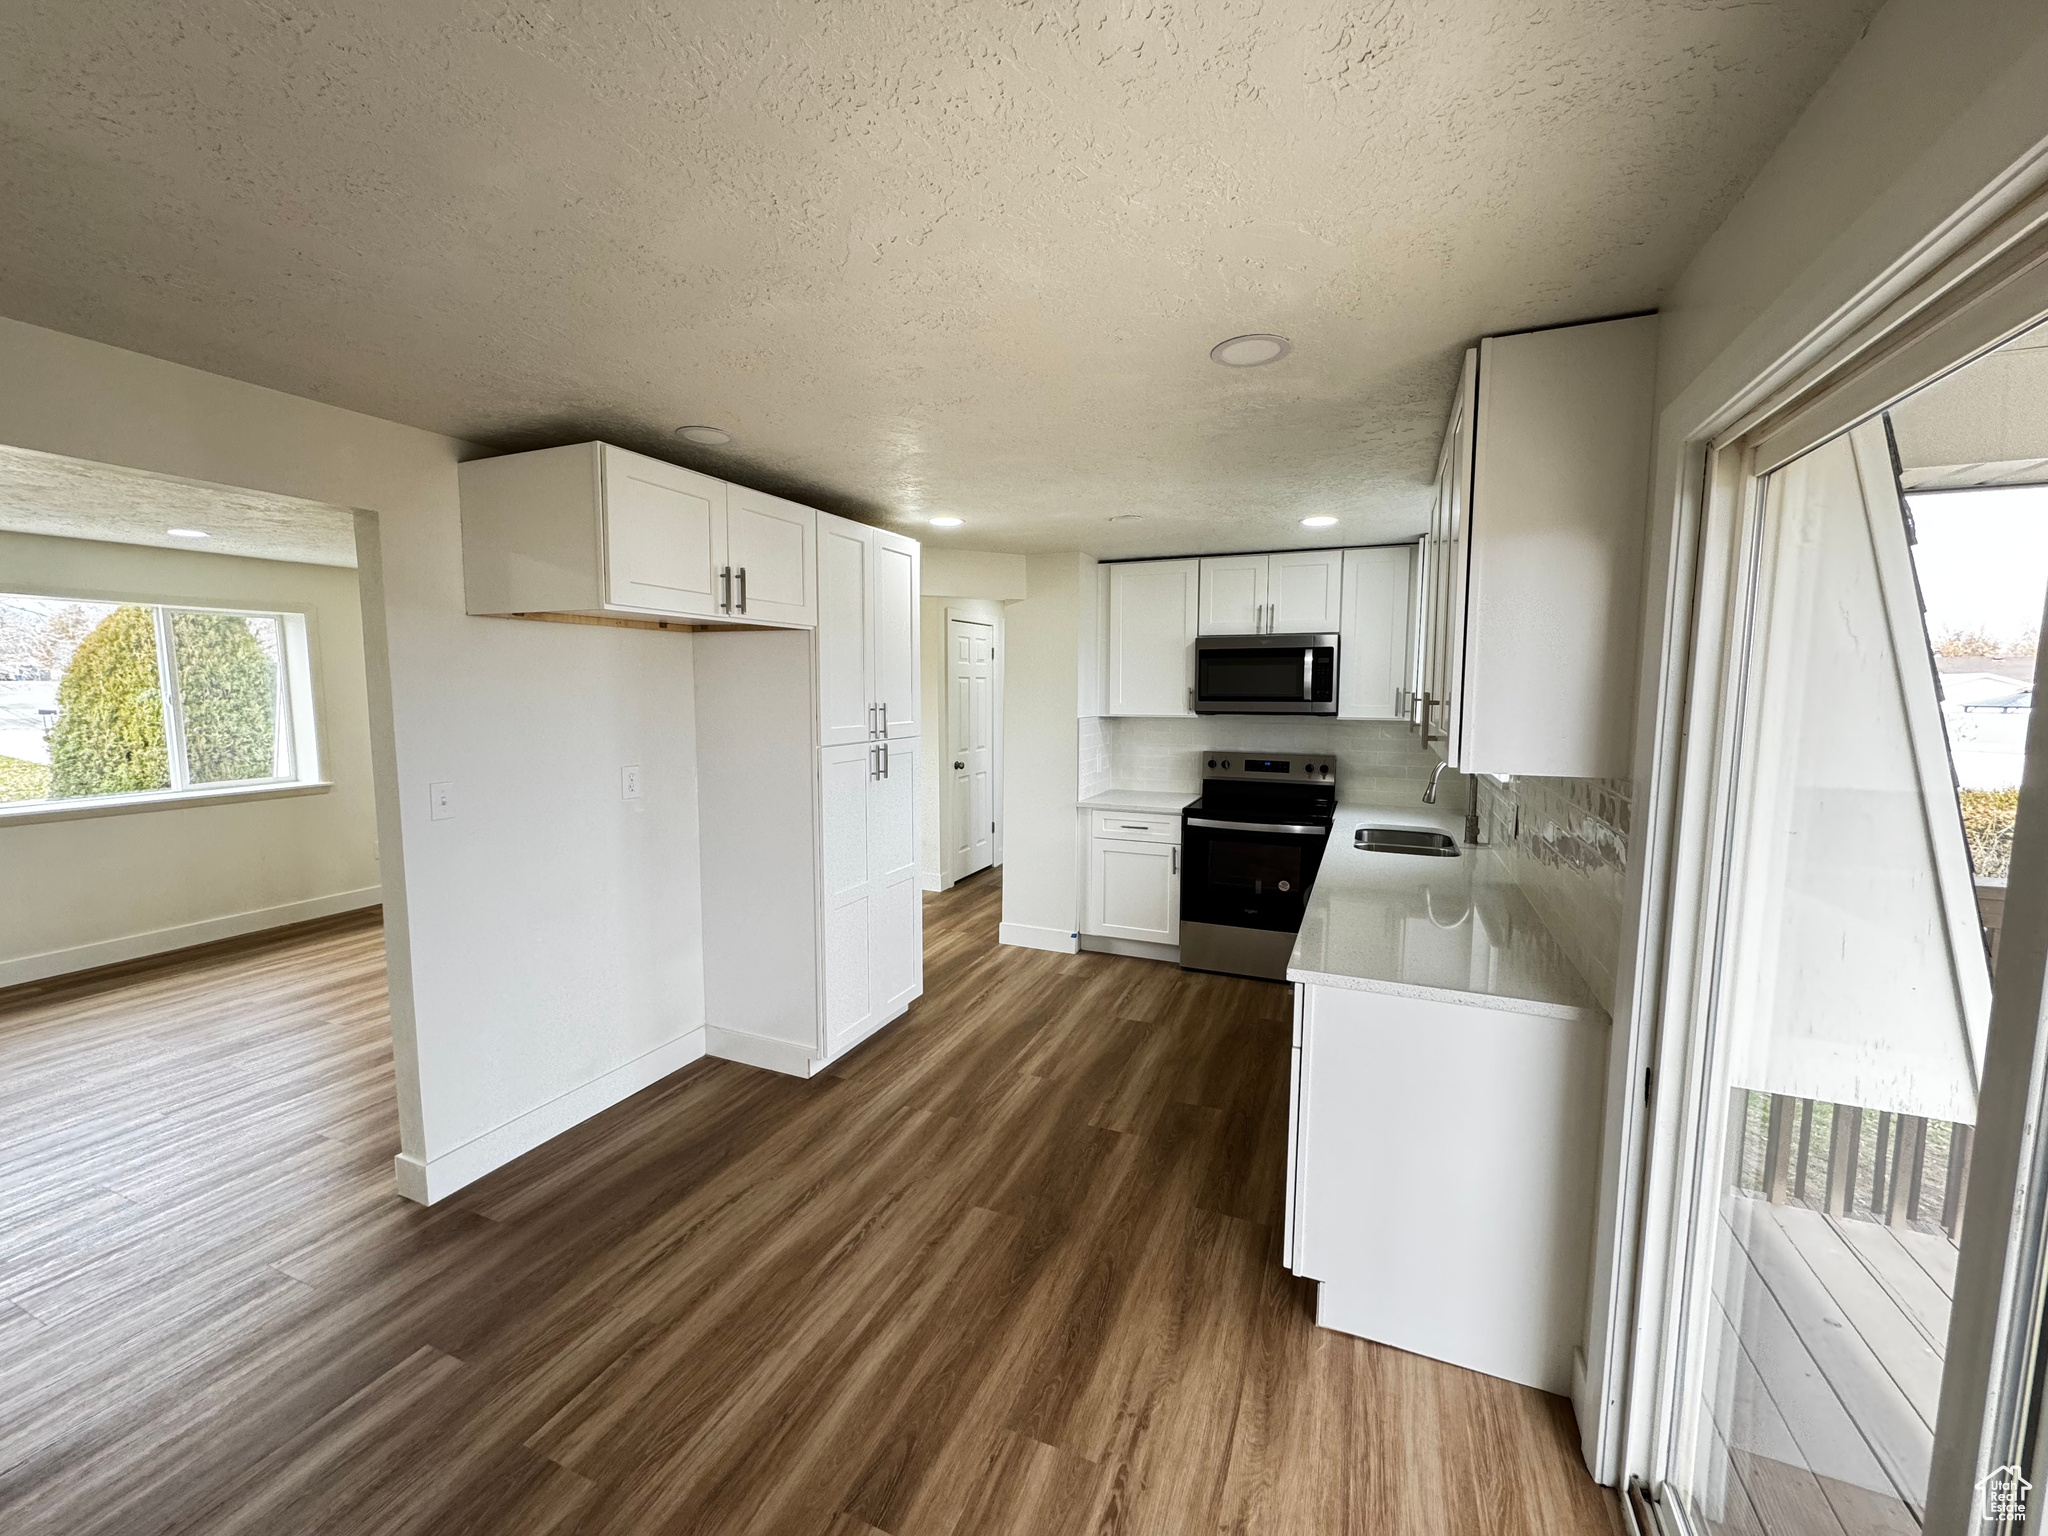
x=426 y=1181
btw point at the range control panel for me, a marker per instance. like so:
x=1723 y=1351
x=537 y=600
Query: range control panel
x=1236 y=765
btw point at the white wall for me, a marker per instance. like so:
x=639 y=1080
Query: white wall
x=99 y=889
x=971 y=573
x=1041 y=709
x=935 y=761
x=545 y=950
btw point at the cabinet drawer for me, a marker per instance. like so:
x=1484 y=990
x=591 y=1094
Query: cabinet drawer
x=1146 y=827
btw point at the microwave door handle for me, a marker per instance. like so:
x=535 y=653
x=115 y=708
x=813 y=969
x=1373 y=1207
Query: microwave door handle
x=1308 y=674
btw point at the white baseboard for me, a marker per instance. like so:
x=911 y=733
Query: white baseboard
x=931 y=881
x=1030 y=936
x=436 y=1178
x=134 y=946
x=758 y=1051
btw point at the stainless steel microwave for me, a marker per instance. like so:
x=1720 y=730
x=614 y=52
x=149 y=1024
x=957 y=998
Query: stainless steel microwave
x=1266 y=675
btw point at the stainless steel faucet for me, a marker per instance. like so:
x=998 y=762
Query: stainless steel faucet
x=1429 y=794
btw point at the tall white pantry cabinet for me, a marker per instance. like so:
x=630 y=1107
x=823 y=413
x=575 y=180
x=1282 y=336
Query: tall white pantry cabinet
x=804 y=668
x=807 y=810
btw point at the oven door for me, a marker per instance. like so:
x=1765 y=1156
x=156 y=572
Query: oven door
x=1248 y=874
x=1266 y=675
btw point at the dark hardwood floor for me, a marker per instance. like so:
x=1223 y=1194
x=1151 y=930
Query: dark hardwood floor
x=1011 y=1267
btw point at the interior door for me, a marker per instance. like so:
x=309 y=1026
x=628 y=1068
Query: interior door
x=845 y=633
x=1152 y=610
x=897 y=914
x=970 y=735
x=1375 y=631
x=1306 y=592
x=1234 y=595
x=847 y=775
x=895 y=590
x=664 y=536
x=772 y=547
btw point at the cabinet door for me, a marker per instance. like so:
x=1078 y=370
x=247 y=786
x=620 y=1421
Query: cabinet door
x=845 y=633
x=847 y=777
x=1234 y=595
x=1305 y=591
x=1375 y=633
x=664 y=537
x=896 y=932
x=894 y=580
x=772 y=547
x=1134 y=891
x=1152 y=637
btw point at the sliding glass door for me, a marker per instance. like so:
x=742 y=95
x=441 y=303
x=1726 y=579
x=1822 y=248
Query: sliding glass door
x=1842 y=1046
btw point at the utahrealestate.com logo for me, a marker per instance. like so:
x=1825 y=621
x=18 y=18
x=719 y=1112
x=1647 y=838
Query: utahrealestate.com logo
x=2002 y=1494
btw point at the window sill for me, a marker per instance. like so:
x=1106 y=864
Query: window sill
x=20 y=814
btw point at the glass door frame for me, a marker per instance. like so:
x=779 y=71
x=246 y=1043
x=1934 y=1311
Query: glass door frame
x=1990 y=283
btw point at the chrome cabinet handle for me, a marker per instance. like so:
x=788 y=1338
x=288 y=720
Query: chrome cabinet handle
x=725 y=589
x=1176 y=860
x=885 y=759
x=1429 y=702
x=743 y=589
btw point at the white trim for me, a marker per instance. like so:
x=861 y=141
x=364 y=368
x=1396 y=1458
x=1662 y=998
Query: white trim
x=759 y=1051
x=29 y=812
x=85 y=957
x=932 y=882
x=1030 y=936
x=435 y=1178
x=1133 y=949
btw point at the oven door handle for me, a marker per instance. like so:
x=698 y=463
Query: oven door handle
x=1259 y=826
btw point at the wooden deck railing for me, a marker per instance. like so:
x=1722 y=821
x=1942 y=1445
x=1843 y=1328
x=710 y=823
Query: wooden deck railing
x=1849 y=1160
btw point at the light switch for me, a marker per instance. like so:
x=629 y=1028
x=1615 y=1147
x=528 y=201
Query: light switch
x=629 y=783
x=441 y=797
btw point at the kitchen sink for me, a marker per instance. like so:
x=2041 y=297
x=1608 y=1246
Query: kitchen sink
x=1438 y=845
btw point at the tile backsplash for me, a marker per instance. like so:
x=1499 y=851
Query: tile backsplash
x=1375 y=758
x=1567 y=842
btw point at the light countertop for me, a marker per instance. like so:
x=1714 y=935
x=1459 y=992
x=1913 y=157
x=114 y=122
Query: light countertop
x=1157 y=802
x=1454 y=930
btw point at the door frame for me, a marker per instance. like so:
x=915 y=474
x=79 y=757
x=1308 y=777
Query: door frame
x=1975 y=280
x=939 y=750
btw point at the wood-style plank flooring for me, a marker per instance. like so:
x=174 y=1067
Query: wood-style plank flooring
x=1011 y=1267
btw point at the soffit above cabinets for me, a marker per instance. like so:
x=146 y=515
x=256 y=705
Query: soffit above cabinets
x=966 y=260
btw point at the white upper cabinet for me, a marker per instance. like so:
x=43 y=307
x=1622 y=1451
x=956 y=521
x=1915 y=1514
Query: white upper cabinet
x=1234 y=595
x=895 y=584
x=1150 y=661
x=664 y=537
x=845 y=634
x=772 y=547
x=867 y=633
x=1300 y=592
x=1376 y=633
x=593 y=529
x=1535 y=553
x=1306 y=589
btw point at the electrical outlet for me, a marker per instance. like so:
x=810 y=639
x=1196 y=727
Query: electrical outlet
x=629 y=783
x=441 y=797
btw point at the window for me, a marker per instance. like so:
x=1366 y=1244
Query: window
x=104 y=701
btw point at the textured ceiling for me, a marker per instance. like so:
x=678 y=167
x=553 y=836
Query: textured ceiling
x=917 y=257
x=74 y=499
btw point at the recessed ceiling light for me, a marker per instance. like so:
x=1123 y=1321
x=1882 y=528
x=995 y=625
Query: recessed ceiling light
x=710 y=437
x=945 y=522
x=1319 y=522
x=1250 y=351
x=188 y=533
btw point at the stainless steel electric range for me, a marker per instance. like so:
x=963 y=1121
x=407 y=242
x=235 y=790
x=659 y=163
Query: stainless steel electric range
x=1250 y=849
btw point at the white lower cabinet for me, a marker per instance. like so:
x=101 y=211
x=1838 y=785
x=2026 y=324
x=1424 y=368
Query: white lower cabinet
x=1134 y=879
x=1443 y=1174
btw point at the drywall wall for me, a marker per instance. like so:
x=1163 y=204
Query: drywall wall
x=1048 y=654
x=98 y=889
x=970 y=573
x=545 y=949
x=934 y=762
